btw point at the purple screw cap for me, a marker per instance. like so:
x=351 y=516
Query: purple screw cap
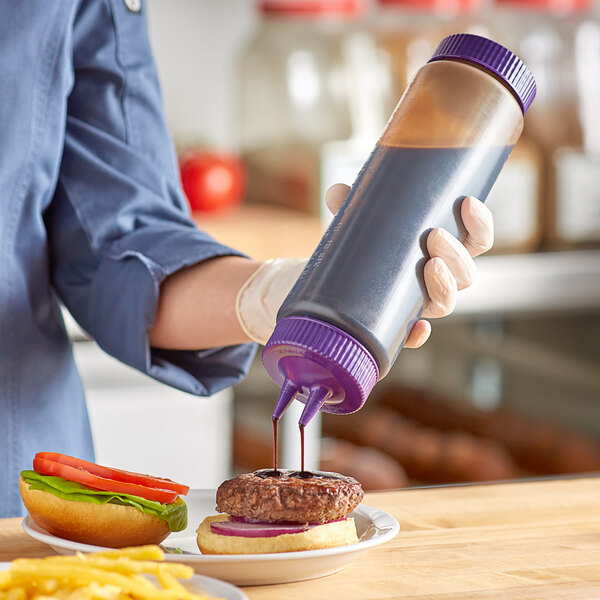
x=313 y=359
x=494 y=57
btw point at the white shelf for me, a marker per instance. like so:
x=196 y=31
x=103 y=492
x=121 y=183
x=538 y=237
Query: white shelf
x=545 y=282
x=533 y=283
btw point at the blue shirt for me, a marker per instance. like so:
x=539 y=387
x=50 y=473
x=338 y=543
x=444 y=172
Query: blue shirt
x=91 y=215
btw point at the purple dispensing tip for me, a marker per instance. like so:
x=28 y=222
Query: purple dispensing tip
x=316 y=399
x=493 y=57
x=287 y=394
x=320 y=365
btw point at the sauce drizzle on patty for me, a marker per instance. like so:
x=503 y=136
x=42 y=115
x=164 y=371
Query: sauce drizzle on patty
x=266 y=473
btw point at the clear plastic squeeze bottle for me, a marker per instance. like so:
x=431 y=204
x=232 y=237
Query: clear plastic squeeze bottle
x=347 y=317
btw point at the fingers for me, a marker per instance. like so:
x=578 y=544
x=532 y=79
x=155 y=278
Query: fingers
x=418 y=335
x=441 y=244
x=441 y=288
x=479 y=223
x=450 y=268
x=335 y=195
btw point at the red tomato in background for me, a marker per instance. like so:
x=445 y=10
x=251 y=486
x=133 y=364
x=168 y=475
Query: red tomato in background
x=212 y=181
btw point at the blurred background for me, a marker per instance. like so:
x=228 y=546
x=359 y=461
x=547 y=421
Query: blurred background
x=271 y=102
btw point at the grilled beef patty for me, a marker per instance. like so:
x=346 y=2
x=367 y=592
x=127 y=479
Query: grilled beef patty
x=285 y=495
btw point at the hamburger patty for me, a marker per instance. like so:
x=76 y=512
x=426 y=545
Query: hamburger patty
x=315 y=497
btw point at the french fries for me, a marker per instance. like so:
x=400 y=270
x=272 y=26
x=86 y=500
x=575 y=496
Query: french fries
x=112 y=575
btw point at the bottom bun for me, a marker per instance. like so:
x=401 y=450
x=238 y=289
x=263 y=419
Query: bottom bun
x=109 y=525
x=328 y=535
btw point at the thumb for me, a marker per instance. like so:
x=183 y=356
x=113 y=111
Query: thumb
x=335 y=195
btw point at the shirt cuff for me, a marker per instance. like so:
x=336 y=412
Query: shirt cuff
x=137 y=276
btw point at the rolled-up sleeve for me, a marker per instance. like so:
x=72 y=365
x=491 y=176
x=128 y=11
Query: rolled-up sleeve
x=118 y=224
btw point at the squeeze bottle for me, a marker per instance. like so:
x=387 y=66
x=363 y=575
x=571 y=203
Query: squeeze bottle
x=347 y=317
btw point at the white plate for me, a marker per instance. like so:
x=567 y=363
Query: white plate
x=373 y=526
x=197 y=584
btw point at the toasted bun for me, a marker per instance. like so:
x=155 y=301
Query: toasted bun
x=110 y=525
x=328 y=535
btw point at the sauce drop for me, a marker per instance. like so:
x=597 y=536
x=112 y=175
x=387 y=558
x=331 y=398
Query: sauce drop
x=264 y=473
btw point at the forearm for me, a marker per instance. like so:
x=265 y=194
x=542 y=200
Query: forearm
x=204 y=306
x=196 y=306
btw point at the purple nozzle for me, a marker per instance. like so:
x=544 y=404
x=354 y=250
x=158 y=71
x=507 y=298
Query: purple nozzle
x=288 y=391
x=319 y=364
x=317 y=397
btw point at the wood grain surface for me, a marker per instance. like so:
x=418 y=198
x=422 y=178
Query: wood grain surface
x=264 y=232
x=533 y=540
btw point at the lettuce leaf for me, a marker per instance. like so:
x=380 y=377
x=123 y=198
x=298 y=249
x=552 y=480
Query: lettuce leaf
x=174 y=514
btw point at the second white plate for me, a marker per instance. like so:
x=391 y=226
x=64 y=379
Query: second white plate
x=373 y=526
x=198 y=584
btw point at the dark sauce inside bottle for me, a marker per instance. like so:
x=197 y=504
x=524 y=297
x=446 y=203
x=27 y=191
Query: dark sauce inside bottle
x=375 y=226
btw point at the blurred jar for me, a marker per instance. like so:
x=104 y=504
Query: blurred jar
x=542 y=33
x=404 y=34
x=576 y=215
x=516 y=202
x=295 y=83
x=408 y=31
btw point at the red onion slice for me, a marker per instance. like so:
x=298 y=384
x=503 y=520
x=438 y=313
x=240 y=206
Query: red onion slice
x=242 y=529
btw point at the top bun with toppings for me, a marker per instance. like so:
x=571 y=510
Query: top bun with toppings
x=281 y=511
x=85 y=502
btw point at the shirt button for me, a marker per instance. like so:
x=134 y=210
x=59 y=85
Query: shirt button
x=133 y=5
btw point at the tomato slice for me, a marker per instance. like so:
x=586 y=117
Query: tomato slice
x=116 y=474
x=79 y=475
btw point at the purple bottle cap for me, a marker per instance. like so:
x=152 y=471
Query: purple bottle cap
x=320 y=365
x=495 y=58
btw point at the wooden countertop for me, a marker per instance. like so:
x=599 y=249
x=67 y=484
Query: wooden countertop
x=263 y=231
x=516 y=541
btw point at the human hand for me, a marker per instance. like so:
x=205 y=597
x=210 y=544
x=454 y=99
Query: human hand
x=451 y=266
x=260 y=298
